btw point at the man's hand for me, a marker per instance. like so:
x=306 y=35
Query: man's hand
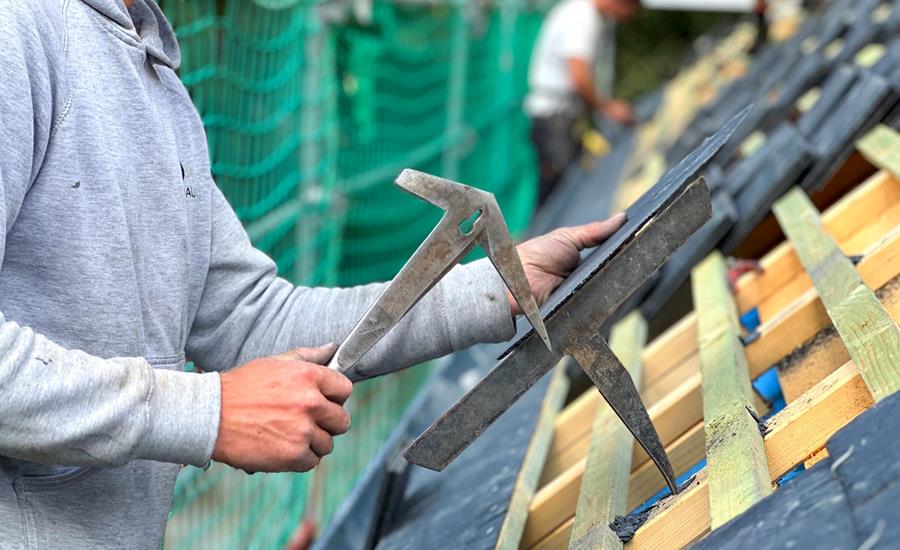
x=280 y=413
x=548 y=259
x=620 y=111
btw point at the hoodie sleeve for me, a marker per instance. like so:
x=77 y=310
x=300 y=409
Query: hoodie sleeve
x=247 y=311
x=62 y=406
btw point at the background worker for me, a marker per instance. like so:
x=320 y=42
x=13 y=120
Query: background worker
x=561 y=82
x=120 y=259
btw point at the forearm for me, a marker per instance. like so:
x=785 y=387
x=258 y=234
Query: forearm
x=467 y=307
x=580 y=74
x=592 y=96
x=247 y=311
x=63 y=406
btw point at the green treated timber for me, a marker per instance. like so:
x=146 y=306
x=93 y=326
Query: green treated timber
x=738 y=467
x=869 y=333
x=530 y=474
x=607 y=470
x=881 y=147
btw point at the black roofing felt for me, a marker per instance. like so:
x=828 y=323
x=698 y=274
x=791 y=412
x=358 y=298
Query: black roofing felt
x=849 y=500
x=464 y=506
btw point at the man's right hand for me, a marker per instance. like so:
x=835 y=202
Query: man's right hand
x=280 y=413
x=620 y=111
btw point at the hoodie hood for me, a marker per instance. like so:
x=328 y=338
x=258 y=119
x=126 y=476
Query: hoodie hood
x=146 y=24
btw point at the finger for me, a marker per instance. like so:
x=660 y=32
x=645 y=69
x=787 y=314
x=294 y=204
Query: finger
x=334 y=385
x=320 y=355
x=595 y=233
x=307 y=460
x=321 y=443
x=333 y=418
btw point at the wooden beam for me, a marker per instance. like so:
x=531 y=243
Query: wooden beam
x=554 y=504
x=678 y=408
x=879 y=225
x=806 y=316
x=604 y=485
x=510 y=535
x=796 y=433
x=671 y=347
x=869 y=201
x=738 y=472
x=881 y=147
x=782 y=282
x=871 y=336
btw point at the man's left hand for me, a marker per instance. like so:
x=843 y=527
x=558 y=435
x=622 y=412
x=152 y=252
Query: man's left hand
x=550 y=258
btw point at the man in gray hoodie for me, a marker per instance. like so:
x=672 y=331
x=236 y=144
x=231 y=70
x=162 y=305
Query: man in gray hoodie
x=121 y=258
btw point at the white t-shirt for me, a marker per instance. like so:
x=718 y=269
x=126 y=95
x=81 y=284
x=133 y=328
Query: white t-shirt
x=572 y=29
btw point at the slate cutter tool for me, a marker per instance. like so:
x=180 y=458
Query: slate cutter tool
x=445 y=246
x=658 y=223
x=472 y=217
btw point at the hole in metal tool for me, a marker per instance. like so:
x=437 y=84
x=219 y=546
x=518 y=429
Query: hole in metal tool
x=467 y=225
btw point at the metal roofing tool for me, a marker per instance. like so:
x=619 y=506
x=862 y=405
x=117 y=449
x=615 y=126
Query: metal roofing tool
x=658 y=223
x=471 y=217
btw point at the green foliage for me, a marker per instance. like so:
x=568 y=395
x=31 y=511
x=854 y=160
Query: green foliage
x=654 y=45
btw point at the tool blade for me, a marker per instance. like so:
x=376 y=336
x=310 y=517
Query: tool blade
x=444 y=247
x=499 y=246
x=615 y=384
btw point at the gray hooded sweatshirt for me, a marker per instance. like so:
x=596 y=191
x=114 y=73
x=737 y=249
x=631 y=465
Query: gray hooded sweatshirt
x=120 y=259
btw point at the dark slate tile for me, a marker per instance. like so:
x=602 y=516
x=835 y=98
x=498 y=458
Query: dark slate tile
x=889 y=64
x=833 y=91
x=809 y=512
x=891 y=27
x=890 y=61
x=742 y=171
x=868 y=100
x=786 y=156
x=808 y=74
x=639 y=214
x=751 y=124
x=866 y=454
x=861 y=34
x=834 y=22
x=715 y=178
x=678 y=268
x=878 y=519
x=780 y=71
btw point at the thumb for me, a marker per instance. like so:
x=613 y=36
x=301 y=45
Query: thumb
x=592 y=234
x=320 y=355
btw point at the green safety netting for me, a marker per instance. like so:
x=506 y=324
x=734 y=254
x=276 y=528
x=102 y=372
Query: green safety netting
x=308 y=123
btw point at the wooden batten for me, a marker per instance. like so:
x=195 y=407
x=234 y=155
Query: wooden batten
x=881 y=147
x=738 y=474
x=510 y=536
x=795 y=434
x=867 y=329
